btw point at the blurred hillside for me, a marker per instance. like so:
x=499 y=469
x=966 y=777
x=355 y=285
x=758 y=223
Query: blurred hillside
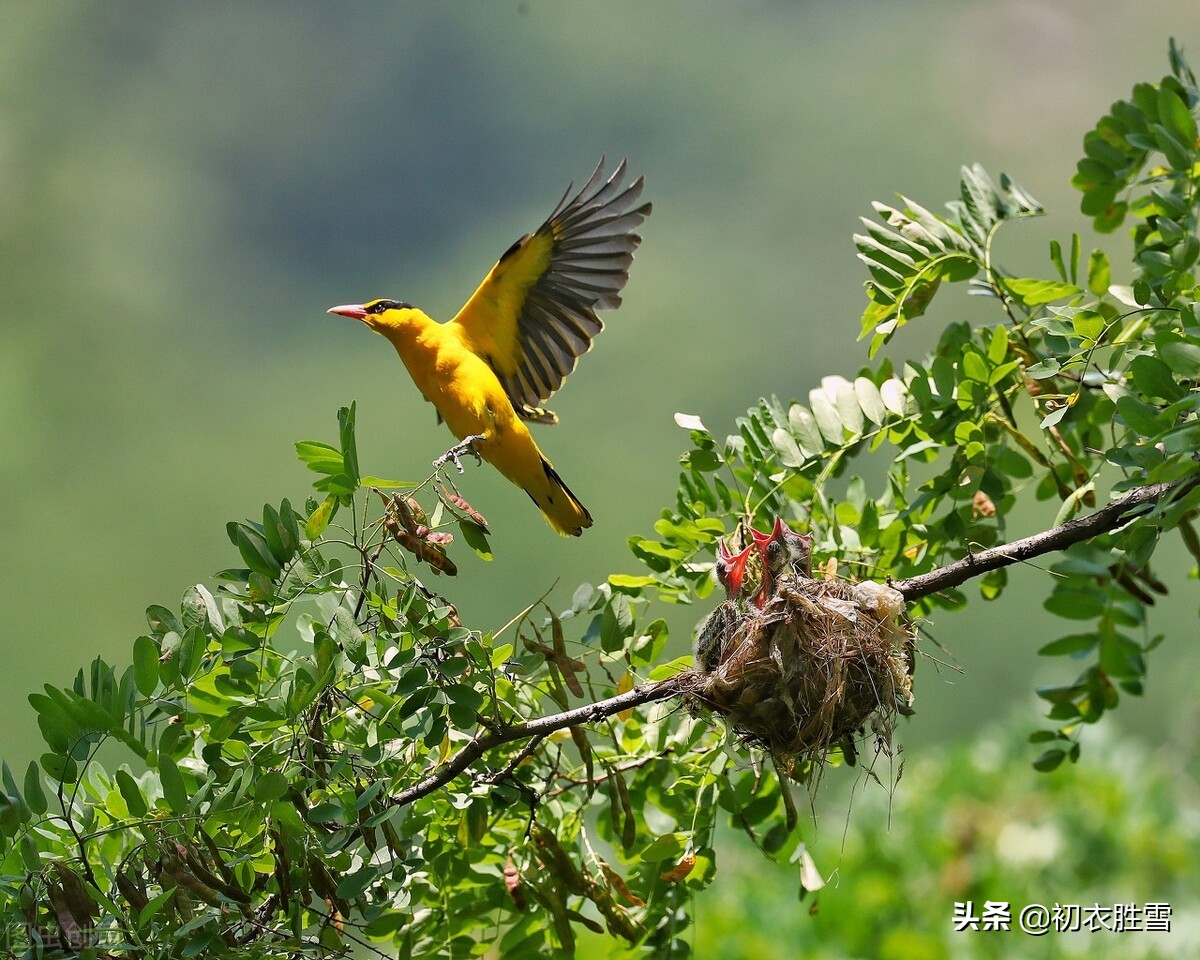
x=1124 y=827
x=185 y=188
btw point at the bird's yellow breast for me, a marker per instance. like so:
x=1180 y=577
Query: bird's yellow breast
x=460 y=385
x=471 y=399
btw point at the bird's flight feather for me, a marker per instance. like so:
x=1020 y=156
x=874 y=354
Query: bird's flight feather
x=534 y=314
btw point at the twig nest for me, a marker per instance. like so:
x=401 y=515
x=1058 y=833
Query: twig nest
x=809 y=669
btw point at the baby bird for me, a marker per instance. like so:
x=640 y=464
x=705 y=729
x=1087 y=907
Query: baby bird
x=729 y=571
x=783 y=552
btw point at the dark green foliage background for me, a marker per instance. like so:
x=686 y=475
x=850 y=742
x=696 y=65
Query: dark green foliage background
x=186 y=190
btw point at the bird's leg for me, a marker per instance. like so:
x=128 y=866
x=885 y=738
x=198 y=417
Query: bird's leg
x=456 y=452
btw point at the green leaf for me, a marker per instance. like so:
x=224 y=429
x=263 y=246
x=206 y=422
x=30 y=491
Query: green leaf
x=907 y=259
x=199 y=608
x=846 y=401
x=270 y=786
x=35 y=797
x=672 y=667
x=1140 y=417
x=58 y=729
x=870 y=400
x=974 y=366
x=1110 y=217
x=616 y=623
x=705 y=460
x=135 y=800
x=785 y=445
x=997 y=348
x=1099 y=273
x=1000 y=373
x=476 y=538
x=1171 y=232
x=162 y=620
x=354 y=885
x=328 y=656
x=327 y=811
x=145 y=665
x=386 y=925
x=151 y=909
x=1056 y=257
x=321 y=457
x=1065 y=646
x=1177 y=119
x=1043 y=370
x=278 y=535
x=1182 y=356
x=826 y=415
x=1033 y=292
x=1054 y=417
x=670 y=846
x=349 y=447
x=190 y=652
x=1050 y=760
x=33 y=863
x=384 y=484
x=252 y=545
x=347 y=633
x=626 y=581
x=1153 y=378
x=174 y=790
x=805 y=430
x=1075 y=604
x=61 y=768
x=649 y=646
x=319 y=519
x=992 y=584
x=1178 y=154
x=1088 y=324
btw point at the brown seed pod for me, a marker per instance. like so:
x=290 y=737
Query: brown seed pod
x=982 y=505
x=512 y=883
x=456 y=500
x=407 y=536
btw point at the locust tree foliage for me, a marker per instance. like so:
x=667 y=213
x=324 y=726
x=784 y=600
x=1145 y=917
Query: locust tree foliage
x=311 y=755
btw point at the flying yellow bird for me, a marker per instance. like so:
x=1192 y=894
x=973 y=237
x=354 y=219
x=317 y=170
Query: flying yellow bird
x=514 y=342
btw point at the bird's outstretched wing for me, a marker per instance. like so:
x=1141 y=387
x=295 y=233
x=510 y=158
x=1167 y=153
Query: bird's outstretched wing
x=534 y=314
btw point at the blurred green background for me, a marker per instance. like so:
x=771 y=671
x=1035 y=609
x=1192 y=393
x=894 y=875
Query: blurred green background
x=184 y=189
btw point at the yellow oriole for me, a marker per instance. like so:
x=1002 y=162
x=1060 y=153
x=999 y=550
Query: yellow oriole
x=514 y=342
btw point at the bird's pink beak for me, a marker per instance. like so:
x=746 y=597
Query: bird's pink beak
x=353 y=310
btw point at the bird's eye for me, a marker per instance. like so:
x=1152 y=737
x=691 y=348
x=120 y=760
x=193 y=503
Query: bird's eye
x=381 y=305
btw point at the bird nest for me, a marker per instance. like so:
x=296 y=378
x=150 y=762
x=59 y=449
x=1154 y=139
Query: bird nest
x=809 y=670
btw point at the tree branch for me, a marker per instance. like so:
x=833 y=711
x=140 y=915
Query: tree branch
x=1107 y=518
x=540 y=728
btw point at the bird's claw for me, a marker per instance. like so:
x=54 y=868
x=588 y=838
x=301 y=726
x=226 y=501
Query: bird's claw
x=455 y=453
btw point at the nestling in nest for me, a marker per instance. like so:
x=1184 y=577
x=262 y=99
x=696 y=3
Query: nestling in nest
x=799 y=666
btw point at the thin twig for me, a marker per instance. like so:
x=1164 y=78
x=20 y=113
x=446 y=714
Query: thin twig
x=588 y=713
x=520 y=756
x=572 y=782
x=1108 y=517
